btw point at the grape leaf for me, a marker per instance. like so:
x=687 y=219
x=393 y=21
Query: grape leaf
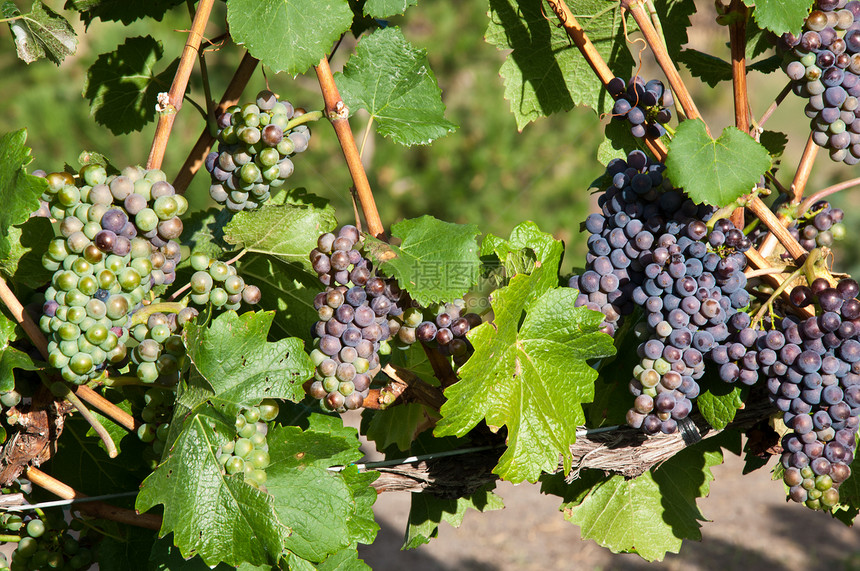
x=219 y=517
x=286 y=289
x=715 y=172
x=122 y=85
x=780 y=16
x=519 y=372
x=203 y=232
x=650 y=514
x=164 y=556
x=395 y=426
x=325 y=511
x=775 y=142
x=10 y=357
x=618 y=142
x=311 y=26
x=675 y=19
x=428 y=511
x=42 y=33
x=126 y=548
x=287 y=231
x=436 y=261
x=706 y=67
x=21 y=252
x=242 y=368
x=125 y=11
x=527 y=251
x=719 y=401
x=393 y=81
x=849 y=490
x=19 y=191
x=343 y=560
x=386 y=8
x=545 y=73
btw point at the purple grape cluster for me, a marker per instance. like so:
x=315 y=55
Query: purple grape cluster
x=643 y=105
x=256 y=143
x=823 y=64
x=650 y=247
x=447 y=330
x=821 y=226
x=356 y=312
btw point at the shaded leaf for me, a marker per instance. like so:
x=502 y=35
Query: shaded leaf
x=21 y=252
x=427 y=512
x=41 y=33
x=125 y=11
x=10 y=357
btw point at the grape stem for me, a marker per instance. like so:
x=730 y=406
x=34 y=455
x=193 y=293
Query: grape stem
x=661 y=54
x=180 y=82
x=142 y=315
x=577 y=35
x=410 y=386
x=738 y=43
x=775 y=280
x=441 y=367
x=338 y=113
x=825 y=192
x=777 y=292
x=106 y=407
x=204 y=142
x=309 y=117
x=770 y=110
x=60 y=389
x=97 y=509
x=187 y=286
x=776 y=227
x=125 y=381
x=655 y=19
x=9 y=538
x=798 y=186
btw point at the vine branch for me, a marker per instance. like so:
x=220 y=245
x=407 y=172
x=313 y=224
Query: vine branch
x=167 y=117
x=338 y=114
x=738 y=43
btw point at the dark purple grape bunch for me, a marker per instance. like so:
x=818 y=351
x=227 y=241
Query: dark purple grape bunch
x=815 y=382
x=643 y=105
x=823 y=64
x=357 y=312
x=820 y=226
x=256 y=144
x=447 y=330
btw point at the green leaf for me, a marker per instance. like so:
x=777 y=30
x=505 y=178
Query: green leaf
x=127 y=550
x=287 y=231
x=312 y=27
x=528 y=251
x=203 y=232
x=287 y=290
x=706 y=67
x=428 y=511
x=518 y=374
x=780 y=16
x=21 y=252
x=675 y=20
x=193 y=489
x=42 y=33
x=19 y=191
x=10 y=357
x=165 y=556
x=343 y=560
x=125 y=11
x=719 y=401
x=242 y=368
x=436 y=261
x=649 y=515
x=849 y=490
x=393 y=81
x=618 y=143
x=715 y=172
x=775 y=142
x=395 y=426
x=545 y=73
x=122 y=85
x=385 y=8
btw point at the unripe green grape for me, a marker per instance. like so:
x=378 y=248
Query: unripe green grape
x=97 y=334
x=218 y=297
x=69 y=196
x=201 y=282
x=148 y=350
x=69 y=348
x=200 y=261
x=109 y=343
x=114 y=263
x=330 y=384
x=146 y=432
x=165 y=207
x=95 y=213
x=65 y=280
x=91 y=229
x=142 y=266
x=76 y=298
x=146 y=220
x=248 y=430
x=361 y=365
x=159 y=333
x=81 y=363
x=346 y=388
x=181 y=204
x=140 y=248
x=94 y=174
x=96 y=308
x=27 y=547
x=252 y=415
x=256 y=477
x=129 y=279
x=117 y=306
x=268 y=157
x=74 y=314
x=88 y=286
x=243 y=446
x=234 y=285
x=286 y=147
x=259 y=458
x=57 y=249
x=249 y=173
x=118 y=353
x=82 y=267
x=147 y=372
x=68 y=332
x=49 y=264
x=10 y=399
x=57 y=359
x=200 y=298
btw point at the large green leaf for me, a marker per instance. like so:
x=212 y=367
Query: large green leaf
x=780 y=16
x=123 y=87
x=19 y=192
x=203 y=232
x=386 y=8
x=126 y=548
x=21 y=252
x=125 y=11
x=395 y=426
x=529 y=374
x=545 y=73
x=527 y=251
x=41 y=33
x=288 y=36
x=436 y=261
x=715 y=171
x=428 y=511
x=649 y=515
x=393 y=81
x=286 y=231
x=240 y=366
x=10 y=357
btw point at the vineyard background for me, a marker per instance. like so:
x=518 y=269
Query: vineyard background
x=540 y=174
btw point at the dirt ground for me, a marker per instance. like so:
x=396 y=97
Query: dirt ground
x=750 y=528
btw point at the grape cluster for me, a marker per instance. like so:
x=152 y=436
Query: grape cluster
x=256 y=142
x=823 y=64
x=160 y=354
x=643 y=105
x=821 y=225
x=248 y=452
x=447 y=330
x=156 y=413
x=650 y=247
x=357 y=313
x=45 y=543
x=117 y=243
x=813 y=377
x=217 y=283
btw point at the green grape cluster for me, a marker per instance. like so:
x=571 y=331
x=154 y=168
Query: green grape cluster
x=256 y=142
x=160 y=354
x=248 y=452
x=45 y=543
x=218 y=283
x=116 y=243
x=156 y=413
